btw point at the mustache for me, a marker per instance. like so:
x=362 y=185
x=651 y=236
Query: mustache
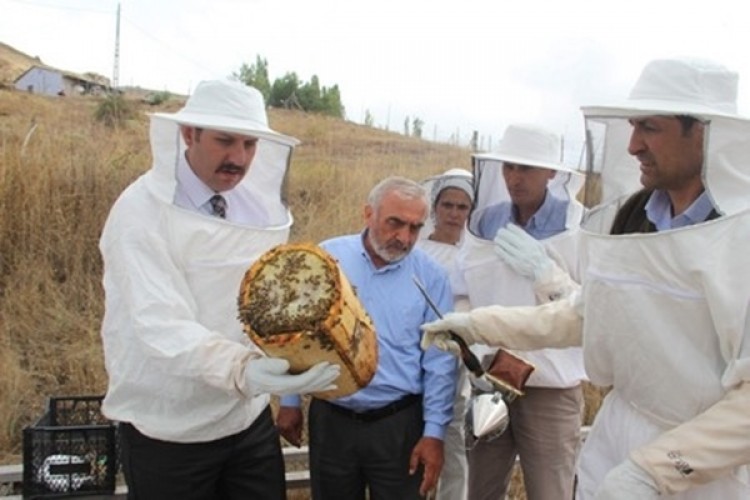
x=230 y=168
x=643 y=159
x=396 y=245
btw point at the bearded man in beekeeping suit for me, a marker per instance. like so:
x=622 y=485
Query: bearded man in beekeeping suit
x=189 y=389
x=663 y=311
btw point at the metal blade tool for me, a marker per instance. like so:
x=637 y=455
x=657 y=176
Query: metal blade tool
x=469 y=359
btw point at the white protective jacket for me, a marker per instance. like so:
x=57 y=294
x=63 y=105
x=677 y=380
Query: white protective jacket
x=491 y=281
x=666 y=328
x=488 y=280
x=174 y=347
x=679 y=403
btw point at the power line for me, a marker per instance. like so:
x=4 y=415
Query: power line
x=116 y=70
x=170 y=48
x=174 y=51
x=61 y=7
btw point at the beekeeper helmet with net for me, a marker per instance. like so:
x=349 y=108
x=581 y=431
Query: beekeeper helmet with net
x=234 y=108
x=697 y=92
x=524 y=181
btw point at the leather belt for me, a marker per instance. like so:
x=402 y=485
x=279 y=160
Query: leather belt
x=377 y=413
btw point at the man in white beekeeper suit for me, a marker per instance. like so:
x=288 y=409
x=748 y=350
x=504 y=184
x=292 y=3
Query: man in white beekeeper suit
x=525 y=212
x=663 y=311
x=190 y=390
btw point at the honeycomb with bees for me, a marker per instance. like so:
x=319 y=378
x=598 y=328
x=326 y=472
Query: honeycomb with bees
x=295 y=303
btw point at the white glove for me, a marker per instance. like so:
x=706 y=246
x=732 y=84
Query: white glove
x=522 y=252
x=627 y=481
x=436 y=332
x=271 y=375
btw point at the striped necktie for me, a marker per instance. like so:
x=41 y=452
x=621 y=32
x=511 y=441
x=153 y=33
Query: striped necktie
x=219 y=206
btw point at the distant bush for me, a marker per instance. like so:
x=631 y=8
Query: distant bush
x=156 y=98
x=114 y=110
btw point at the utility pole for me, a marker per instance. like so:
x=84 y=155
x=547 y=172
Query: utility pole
x=116 y=71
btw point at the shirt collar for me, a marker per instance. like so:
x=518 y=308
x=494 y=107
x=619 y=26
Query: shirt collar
x=541 y=216
x=195 y=189
x=659 y=211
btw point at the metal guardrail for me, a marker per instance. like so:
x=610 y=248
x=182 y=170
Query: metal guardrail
x=296 y=460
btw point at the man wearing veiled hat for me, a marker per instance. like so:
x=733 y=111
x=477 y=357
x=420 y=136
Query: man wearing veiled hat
x=525 y=214
x=189 y=389
x=663 y=310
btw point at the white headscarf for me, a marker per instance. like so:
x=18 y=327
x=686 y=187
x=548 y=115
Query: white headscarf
x=457 y=178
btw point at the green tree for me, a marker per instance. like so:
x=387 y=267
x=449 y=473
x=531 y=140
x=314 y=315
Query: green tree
x=369 y=120
x=317 y=99
x=416 y=127
x=284 y=92
x=256 y=76
x=406 y=126
x=309 y=95
x=332 y=102
x=290 y=92
x=474 y=142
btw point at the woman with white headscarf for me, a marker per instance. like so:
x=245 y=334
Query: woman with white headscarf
x=451 y=196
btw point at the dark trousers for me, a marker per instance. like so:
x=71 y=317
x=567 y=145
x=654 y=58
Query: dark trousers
x=248 y=465
x=348 y=456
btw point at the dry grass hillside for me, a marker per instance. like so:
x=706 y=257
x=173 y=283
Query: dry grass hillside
x=13 y=63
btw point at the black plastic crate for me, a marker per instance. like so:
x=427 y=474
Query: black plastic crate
x=71 y=450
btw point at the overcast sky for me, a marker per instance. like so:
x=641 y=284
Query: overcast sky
x=456 y=65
